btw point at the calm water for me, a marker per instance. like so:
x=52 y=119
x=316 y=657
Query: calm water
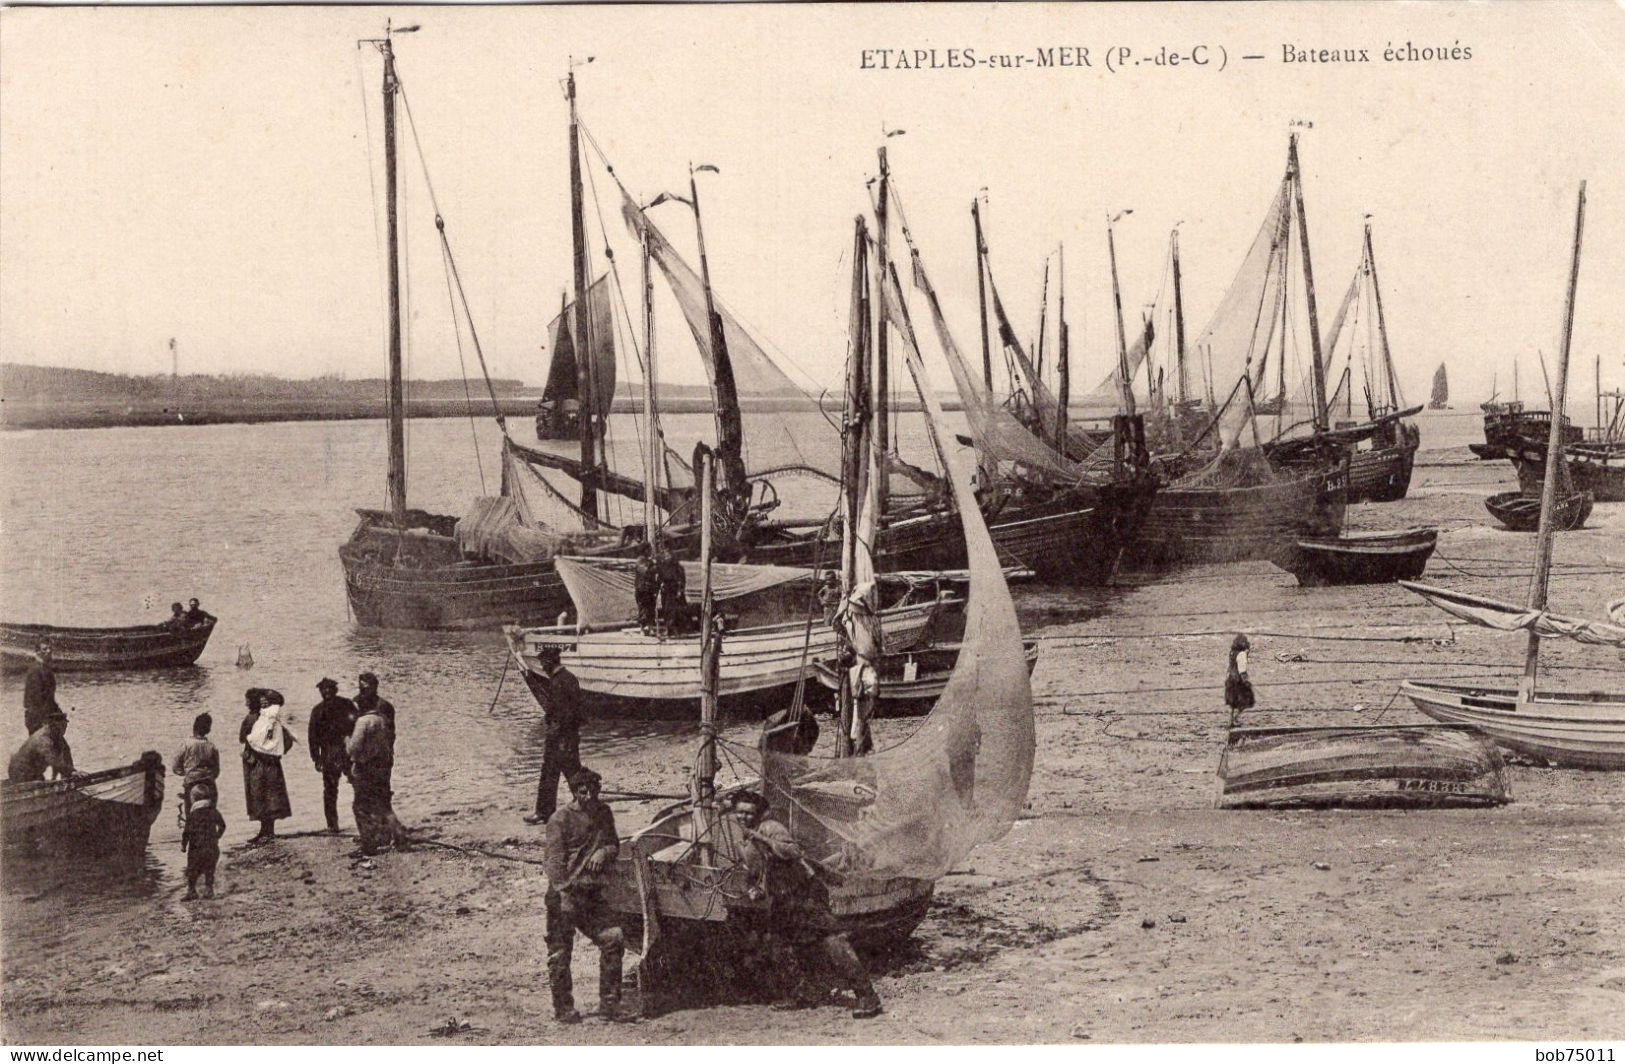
x=109 y=526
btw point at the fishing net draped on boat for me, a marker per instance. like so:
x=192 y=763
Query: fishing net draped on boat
x=604 y=590
x=1508 y=617
x=918 y=808
x=529 y=522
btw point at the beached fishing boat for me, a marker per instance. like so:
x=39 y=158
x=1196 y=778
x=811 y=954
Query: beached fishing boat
x=1360 y=557
x=1580 y=729
x=880 y=828
x=908 y=683
x=1596 y=469
x=1372 y=765
x=1239 y=508
x=142 y=646
x=102 y=815
x=1520 y=511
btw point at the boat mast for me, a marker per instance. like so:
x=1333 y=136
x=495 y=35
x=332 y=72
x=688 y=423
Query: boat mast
x=1318 y=370
x=853 y=455
x=1382 y=323
x=710 y=660
x=1181 y=384
x=981 y=293
x=1125 y=387
x=1554 y=460
x=1043 y=311
x=397 y=404
x=586 y=370
x=1063 y=362
x=730 y=438
x=882 y=363
x=652 y=456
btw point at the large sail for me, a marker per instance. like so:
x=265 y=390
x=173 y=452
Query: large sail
x=918 y=808
x=1441 y=387
x=562 y=377
x=1508 y=617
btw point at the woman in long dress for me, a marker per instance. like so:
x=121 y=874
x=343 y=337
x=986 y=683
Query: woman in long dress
x=1238 y=686
x=265 y=739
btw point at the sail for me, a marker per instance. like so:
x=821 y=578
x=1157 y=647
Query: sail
x=604 y=589
x=1441 y=387
x=562 y=380
x=1507 y=617
x=960 y=779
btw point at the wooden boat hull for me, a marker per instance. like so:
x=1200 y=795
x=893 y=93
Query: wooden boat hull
x=1582 y=730
x=101 y=815
x=1520 y=512
x=147 y=646
x=1487 y=451
x=929 y=541
x=1382 y=474
x=1360 y=765
x=629 y=673
x=901 y=695
x=1596 y=470
x=1510 y=426
x=1235 y=524
x=1360 y=558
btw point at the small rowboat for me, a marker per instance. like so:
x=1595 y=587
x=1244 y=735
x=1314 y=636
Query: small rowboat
x=1383 y=765
x=100 y=815
x=910 y=681
x=1360 y=557
x=1487 y=451
x=143 y=646
x=1521 y=512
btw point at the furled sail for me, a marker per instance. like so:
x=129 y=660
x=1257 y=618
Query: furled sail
x=1507 y=617
x=562 y=380
x=918 y=808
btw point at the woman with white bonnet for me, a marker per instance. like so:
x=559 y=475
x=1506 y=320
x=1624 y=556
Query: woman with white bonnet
x=265 y=739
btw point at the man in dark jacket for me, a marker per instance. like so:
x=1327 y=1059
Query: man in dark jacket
x=646 y=588
x=672 y=584
x=581 y=843
x=560 y=696
x=196 y=616
x=330 y=723
x=39 y=690
x=368 y=701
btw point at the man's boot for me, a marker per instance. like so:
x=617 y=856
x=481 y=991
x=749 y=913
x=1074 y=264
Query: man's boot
x=868 y=1005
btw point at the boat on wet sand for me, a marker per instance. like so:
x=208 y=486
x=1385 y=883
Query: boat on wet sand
x=910 y=681
x=142 y=646
x=1360 y=557
x=104 y=815
x=1520 y=511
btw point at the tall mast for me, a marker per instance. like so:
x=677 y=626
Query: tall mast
x=397 y=402
x=1181 y=384
x=710 y=654
x=1382 y=323
x=586 y=371
x=1554 y=461
x=1063 y=362
x=730 y=438
x=852 y=452
x=882 y=362
x=1043 y=311
x=652 y=456
x=1125 y=386
x=981 y=293
x=1318 y=370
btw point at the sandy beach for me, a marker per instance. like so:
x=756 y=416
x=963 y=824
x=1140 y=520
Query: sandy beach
x=1165 y=919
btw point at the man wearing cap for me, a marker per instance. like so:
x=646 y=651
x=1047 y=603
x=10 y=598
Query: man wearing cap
x=331 y=721
x=198 y=761
x=39 y=690
x=47 y=748
x=802 y=926
x=581 y=842
x=560 y=696
x=371 y=752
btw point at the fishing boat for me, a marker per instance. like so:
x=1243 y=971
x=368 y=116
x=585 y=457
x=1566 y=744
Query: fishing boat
x=1594 y=469
x=407 y=568
x=1580 y=729
x=558 y=411
x=880 y=828
x=1239 y=508
x=1369 y=765
x=1487 y=451
x=908 y=683
x=1440 y=399
x=102 y=815
x=1521 y=512
x=142 y=646
x=1360 y=557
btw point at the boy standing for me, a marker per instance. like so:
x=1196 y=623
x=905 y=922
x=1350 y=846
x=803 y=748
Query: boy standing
x=201 y=839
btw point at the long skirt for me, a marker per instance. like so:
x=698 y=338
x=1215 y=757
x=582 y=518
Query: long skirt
x=265 y=787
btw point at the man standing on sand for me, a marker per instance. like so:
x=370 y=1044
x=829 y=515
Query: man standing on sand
x=581 y=842
x=330 y=724
x=371 y=752
x=39 y=690
x=561 y=747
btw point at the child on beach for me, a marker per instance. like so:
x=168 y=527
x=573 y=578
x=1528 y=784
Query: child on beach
x=200 y=839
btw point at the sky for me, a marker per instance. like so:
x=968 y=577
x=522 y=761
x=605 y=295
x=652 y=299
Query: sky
x=212 y=174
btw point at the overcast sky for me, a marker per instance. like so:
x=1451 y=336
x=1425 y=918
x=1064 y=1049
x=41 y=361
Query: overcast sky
x=208 y=174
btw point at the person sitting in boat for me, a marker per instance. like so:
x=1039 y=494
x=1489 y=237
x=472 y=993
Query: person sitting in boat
x=581 y=842
x=195 y=616
x=803 y=929
x=646 y=589
x=46 y=749
x=39 y=690
x=200 y=839
x=198 y=761
x=177 y=616
x=1238 y=688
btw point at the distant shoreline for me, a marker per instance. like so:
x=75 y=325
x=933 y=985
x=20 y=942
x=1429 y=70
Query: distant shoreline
x=105 y=413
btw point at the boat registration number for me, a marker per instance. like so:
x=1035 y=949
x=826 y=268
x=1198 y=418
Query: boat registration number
x=1432 y=786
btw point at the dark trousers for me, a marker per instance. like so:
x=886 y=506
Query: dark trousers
x=833 y=952
x=592 y=918
x=560 y=757
x=372 y=812
x=330 y=795
x=201 y=857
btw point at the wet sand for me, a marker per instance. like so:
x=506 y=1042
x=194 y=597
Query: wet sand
x=1121 y=908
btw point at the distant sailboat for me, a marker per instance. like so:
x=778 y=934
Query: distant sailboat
x=1441 y=390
